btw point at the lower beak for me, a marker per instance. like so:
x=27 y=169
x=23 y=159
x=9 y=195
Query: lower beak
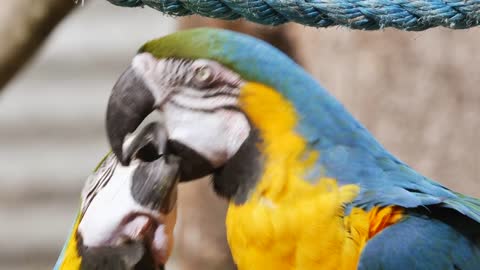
x=149 y=252
x=129 y=223
x=142 y=242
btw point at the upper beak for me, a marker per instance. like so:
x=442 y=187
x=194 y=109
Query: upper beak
x=131 y=101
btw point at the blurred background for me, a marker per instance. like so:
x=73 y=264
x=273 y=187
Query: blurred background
x=417 y=92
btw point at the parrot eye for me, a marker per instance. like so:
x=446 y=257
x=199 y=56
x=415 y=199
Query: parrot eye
x=204 y=76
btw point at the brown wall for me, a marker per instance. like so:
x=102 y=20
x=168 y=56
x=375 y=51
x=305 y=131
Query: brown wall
x=418 y=93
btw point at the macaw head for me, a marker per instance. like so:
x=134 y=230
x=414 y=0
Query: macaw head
x=224 y=97
x=127 y=213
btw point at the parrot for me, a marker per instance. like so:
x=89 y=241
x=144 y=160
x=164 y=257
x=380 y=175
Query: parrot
x=309 y=187
x=127 y=213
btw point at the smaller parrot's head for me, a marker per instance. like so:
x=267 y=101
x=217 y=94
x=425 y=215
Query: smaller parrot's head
x=127 y=213
x=211 y=87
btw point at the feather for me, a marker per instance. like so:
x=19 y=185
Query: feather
x=421 y=242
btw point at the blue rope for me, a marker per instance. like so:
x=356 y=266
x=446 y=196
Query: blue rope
x=410 y=15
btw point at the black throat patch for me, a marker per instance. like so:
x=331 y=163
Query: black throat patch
x=242 y=172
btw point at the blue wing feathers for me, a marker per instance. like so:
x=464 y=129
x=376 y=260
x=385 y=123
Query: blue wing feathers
x=466 y=205
x=384 y=180
x=420 y=242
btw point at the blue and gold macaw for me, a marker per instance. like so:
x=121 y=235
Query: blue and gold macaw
x=309 y=186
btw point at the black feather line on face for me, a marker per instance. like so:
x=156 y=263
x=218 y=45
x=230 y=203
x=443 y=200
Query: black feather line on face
x=210 y=94
x=182 y=72
x=220 y=93
x=220 y=108
x=101 y=178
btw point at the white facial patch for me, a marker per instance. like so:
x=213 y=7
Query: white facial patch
x=150 y=69
x=217 y=135
x=200 y=114
x=109 y=207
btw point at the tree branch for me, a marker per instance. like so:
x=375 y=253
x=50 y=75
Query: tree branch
x=24 y=25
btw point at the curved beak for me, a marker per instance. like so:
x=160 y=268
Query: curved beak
x=130 y=103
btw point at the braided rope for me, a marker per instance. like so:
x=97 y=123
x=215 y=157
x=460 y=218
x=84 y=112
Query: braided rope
x=410 y=15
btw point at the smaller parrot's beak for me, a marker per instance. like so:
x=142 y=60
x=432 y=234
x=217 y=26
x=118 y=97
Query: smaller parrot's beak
x=130 y=103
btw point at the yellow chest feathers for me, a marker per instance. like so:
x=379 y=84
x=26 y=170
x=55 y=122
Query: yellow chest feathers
x=287 y=222
x=306 y=232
